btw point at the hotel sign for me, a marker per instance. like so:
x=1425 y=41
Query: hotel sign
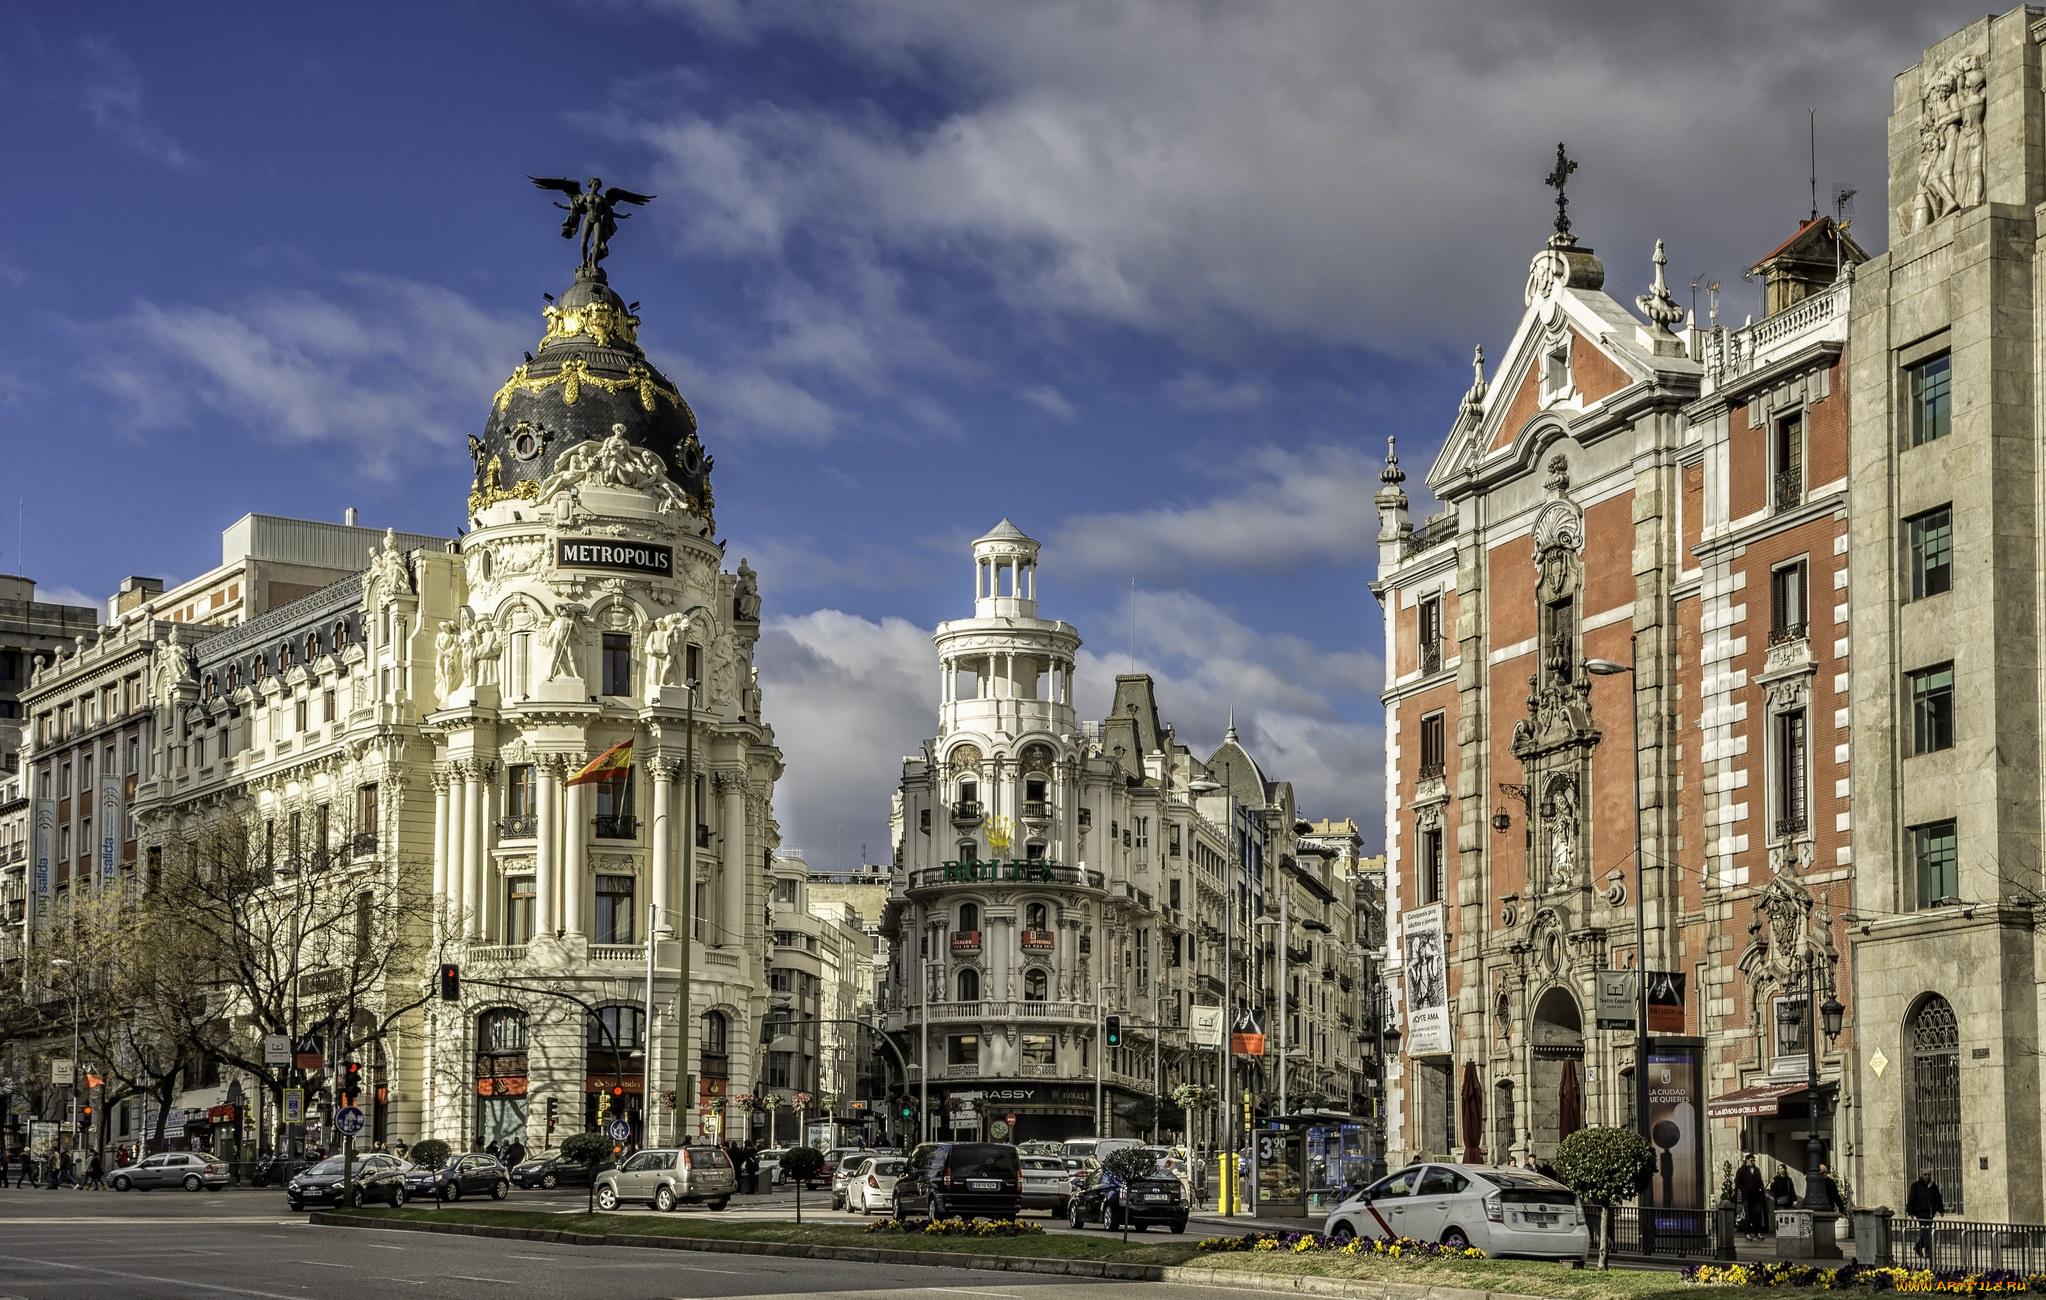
x=632 y=557
x=971 y=870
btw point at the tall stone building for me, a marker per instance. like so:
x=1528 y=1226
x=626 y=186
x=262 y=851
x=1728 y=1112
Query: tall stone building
x=1947 y=712
x=1628 y=616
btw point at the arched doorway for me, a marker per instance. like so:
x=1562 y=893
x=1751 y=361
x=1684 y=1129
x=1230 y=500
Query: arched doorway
x=1556 y=1091
x=1932 y=1132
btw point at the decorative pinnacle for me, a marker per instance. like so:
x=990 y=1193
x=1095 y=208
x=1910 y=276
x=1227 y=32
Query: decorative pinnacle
x=1657 y=304
x=1557 y=179
x=1393 y=475
x=1474 y=400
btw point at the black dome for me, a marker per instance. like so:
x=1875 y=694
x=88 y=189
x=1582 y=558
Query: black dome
x=588 y=376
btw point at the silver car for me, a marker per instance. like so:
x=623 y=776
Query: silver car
x=871 y=1189
x=190 y=1170
x=665 y=1177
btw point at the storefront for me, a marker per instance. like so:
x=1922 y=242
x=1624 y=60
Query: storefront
x=1046 y=1112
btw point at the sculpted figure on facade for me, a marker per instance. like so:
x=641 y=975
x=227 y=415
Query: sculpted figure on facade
x=447 y=658
x=1562 y=834
x=613 y=463
x=1950 y=142
x=659 y=661
x=387 y=566
x=560 y=642
x=486 y=652
x=746 y=595
x=724 y=658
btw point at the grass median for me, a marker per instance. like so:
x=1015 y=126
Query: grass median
x=1519 y=1277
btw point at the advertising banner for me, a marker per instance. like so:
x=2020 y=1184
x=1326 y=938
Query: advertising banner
x=1615 y=1004
x=1665 y=1002
x=1676 y=1111
x=1427 y=977
x=1207 y=1026
x=46 y=849
x=109 y=828
x=1247 y=1037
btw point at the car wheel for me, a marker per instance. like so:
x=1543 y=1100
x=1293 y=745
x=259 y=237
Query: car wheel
x=454 y=1190
x=1343 y=1231
x=500 y=1189
x=355 y=1197
x=937 y=1208
x=720 y=1203
x=398 y=1197
x=607 y=1197
x=295 y=1206
x=550 y=1181
x=664 y=1199
x=1455 y=1239
x=1179 y=1225
x=121 y=1184
x=1076 y=1216
x=192 y=1183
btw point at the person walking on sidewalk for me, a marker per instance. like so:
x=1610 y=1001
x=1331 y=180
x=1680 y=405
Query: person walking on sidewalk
x=95 y=1174
x=1923 y=1202
x=1753 y=1199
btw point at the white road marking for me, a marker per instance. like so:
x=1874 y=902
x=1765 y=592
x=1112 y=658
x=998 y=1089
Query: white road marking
x=374 y=1246
x=148 y=1277
x=956 y=1290
x=464 y=1277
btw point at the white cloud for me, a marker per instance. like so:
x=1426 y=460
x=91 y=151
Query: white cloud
x=1353 y=173
x=847 y=697
x=1049 y=400
x=397 y=370
x=1193 y=391
x=1286 y=509
x=111 y=93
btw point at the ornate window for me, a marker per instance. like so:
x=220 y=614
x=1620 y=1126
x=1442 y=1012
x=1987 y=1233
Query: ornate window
x=1036 y=986
x=969 y=916
x=969 y=985
x=1036 y=916
x=1932 y=1129
x=716 y=1032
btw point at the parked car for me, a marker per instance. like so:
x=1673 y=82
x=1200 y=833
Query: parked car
x=1047 y=1184
x=1500 y=1211
x=552 y=1171
x=1099 y=1148
x=190 y=1170
x=770 y=1164
x=847 y=1166
x=872 y=1188
x=665 y=1177
x=458 y=1176
x=1135 y=1203
x=974 y=1180
x=374 y=1178
x=833 y=1158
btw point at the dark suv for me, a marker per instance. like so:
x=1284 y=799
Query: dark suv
x=973 y=1180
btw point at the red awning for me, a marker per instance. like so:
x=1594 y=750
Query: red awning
x=1765 y=1099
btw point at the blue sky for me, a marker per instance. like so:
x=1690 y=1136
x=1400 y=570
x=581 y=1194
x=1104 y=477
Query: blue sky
x=1154 y=279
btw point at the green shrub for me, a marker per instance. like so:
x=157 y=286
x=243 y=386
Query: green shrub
x=430 y=1153
x=1131 y=1163
x=1605 y=1166
x=802 y=1163
x=587 y=1148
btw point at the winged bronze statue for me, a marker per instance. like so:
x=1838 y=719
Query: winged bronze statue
x=594 y=209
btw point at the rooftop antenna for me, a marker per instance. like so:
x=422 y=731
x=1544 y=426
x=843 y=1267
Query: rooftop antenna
x=1133 y=625
x=1696 y=280
x=1843 y=208
x=1712 y=298
x=1812 y=125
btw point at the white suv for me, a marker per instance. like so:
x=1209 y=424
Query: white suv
x=1500 y=1211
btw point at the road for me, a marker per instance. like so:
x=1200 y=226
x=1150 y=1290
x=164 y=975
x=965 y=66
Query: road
x=82 y=1246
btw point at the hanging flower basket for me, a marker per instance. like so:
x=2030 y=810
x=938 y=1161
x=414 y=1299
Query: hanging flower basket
x=745 y=1103
x=668 y=1098
x=1193 y=1096
x=771 y=1101
x=803 y=1102
x=830 y=1100
x=712 y=1106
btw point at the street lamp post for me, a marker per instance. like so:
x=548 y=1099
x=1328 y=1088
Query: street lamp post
x=1605 y=668
x=1829 y=1016
x=71 y=984
x=1226 y=1131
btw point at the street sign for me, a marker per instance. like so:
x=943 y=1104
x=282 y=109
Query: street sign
x=276 y=1049
x=63 y=1073
x=998 y=1130
x=1010 y=1117
x=348 y=1121
x=294 y=1105
x=620 y=1130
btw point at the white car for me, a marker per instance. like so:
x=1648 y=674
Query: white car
x=871 y=1189
x=1500 y=1211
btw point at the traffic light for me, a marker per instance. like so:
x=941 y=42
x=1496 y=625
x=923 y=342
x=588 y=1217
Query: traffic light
x=450 y=982
x=908 y=1107
x=350 y=1085
x=85 y=1117
x=552 y=1103
x=1112 y=1031
x=617 y=1095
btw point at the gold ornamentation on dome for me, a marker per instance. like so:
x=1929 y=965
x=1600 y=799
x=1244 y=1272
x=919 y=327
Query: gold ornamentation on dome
x=490 y=488
x=575 y=372
x=600 y=321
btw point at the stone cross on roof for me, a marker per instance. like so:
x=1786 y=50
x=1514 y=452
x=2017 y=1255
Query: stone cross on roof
x=1558 y=179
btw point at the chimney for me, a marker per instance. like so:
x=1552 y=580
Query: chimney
x=348 y=516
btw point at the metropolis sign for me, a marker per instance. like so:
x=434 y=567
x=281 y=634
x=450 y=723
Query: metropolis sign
x=632 y=557
x=974 y=869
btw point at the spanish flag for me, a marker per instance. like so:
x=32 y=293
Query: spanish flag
x=618 y=758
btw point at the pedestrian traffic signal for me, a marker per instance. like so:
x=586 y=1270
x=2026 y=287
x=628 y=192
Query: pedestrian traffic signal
x=350 y=1086
x=1112 y=1032
x=450 y=982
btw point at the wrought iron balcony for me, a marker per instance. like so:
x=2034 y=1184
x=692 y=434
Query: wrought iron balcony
x=1788 y=632
x=1431 y=656
x=966 y=941
x=1037 y=809
x=1431 y=771
x=620 y=826
x=1794 y=824
x=1789 y=489
x=966 y=812
x=518 y=828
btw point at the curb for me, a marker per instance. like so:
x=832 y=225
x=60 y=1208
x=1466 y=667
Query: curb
x=1350 y=1289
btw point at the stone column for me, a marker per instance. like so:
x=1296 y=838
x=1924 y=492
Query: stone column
x=440 y=835
x=731 y=786
x=472 y=848
x=575 y=844
x=662 y=770
x=490 y=805
x=458 y=836
x=547 y=826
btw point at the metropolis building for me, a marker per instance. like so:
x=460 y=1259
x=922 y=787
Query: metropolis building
x=412 y=715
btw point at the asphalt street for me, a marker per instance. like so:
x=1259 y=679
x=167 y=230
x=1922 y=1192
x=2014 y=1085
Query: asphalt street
x=74 y=1246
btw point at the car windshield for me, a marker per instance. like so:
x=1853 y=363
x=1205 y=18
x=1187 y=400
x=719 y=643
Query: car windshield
x=1044 y=1164
x=332 y=1165
x=980 y=1159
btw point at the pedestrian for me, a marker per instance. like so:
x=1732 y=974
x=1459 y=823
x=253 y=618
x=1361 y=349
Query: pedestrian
x=1923 y=1202
x=95 y=1174
x=7 y=1155
x=1747 y=1184
x=1831 y=1187
x=1782 y=1190
x=515 y=1154
x=1200 y=1173
x=67 y=1169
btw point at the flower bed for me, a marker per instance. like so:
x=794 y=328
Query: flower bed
x=956 y=1227
x=1302 y=1243
x=1858 y=1277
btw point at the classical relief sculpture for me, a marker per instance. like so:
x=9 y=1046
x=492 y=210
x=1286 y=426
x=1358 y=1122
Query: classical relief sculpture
x=560 y=642
x=746 y=595
x=483 y=650
x=1950 y=144
x=387 y=567
x=615 y=463
x=447 y=658
x=1562 y=834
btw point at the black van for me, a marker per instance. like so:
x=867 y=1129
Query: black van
x=971 y=1180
